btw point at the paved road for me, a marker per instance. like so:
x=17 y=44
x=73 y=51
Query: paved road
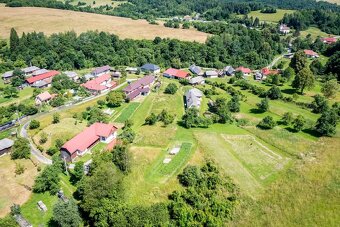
x=23 y=131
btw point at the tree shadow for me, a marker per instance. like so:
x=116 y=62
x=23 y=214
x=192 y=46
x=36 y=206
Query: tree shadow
x=289 y=91
x=52 y=223
x=256 y=111
x=312 y=132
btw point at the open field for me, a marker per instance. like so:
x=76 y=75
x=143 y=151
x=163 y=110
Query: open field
x=127 y=112
x=314 y=32
x=270 y=17
x=307 y=194
x=49 y=21
x=14 y=189
x=99 y=3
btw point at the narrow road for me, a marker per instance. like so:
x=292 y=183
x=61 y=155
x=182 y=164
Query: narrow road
x=271 y=65
x=23 y=131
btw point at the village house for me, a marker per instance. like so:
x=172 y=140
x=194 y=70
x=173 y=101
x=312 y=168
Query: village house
x=7 y=76
x=211 y=74
x=311 y=54
x=264 y=73
x=193 y=98
x=131 y=70
x=139 y=87
x=5 y=146
x=245 y=71
x=100 y=84
x=150 y=68
x=101 y=71
x=28 y=71
x=284 y=29
x=197 y=80
x=228 y=71
x=39 y=72
x=43 y=98
x=90 y=136
x=196 y=70
x=116 y=74
x=328 y=40
x=42 y=80
x=176 y=74
x=72 y=75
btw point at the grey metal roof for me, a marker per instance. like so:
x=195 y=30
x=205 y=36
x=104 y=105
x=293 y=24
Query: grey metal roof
x=88 y=76
x=30 y=69
x=6 y=143
x=197 y=79
x=193 y=98
x=101 y=69
x=7 y=74
x=211 y=73
x=70 y=74
x=229 y=70
x=150 y=67
x=196 y=69
x=40 y=71
x=39 y=83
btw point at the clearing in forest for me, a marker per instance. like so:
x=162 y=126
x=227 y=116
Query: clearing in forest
x=49 y=21
x=270 y=17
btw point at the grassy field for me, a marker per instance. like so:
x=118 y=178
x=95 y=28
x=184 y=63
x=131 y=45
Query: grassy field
x=24 y=94
x=314 y=32
x=14 y=189
x=127 y=112
x=99 y=3
x=270 y=17
x=49 y=21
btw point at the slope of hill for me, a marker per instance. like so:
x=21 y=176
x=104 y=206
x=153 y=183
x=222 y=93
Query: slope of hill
x=29 y=19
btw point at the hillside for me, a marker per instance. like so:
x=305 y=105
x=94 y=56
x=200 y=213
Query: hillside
x=29 y=19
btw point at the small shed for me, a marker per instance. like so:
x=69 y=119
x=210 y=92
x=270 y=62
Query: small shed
x=5 y=146
x=42 y=206
x=211 y=74
x=174 y=150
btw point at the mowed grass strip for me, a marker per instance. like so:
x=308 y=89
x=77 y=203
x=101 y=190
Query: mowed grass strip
x=49 y=21
x=161 y=172
x=127 y=112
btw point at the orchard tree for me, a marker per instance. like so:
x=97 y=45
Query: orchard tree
x=34 y=124
x=326 y=124
x=288 y=73
x=10 y=92
x=319 y=104
x=56 y=118
x=330 y=88
x=21 y=149
x=171 y=89
x=274 y=92
x=66 y=213
x=299 y=61
x=263 y=105
x=299 y=123
x=267 y=123
x=115 y=98
x=234 y=104
x=304 y=79
x=287 y=118
x=151 y=119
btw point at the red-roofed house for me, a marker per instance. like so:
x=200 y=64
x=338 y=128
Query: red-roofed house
x=311 y=54
x=100 y=84
x=176 y=73
x=245 y=71
x=264 y=73
x=42 y=80
x=43 y=97
x=81 y=143
x=328 y=40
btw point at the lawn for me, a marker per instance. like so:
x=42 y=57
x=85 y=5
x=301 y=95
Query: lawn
x=14 y=189
x=161 y=172
x=37 y=217
x=127 y=112
x=23 y=95
x=49 y=21
x=270 y=17
x=314 y=32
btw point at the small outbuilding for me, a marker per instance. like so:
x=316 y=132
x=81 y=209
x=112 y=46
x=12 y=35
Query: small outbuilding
x=150 y=68
x=197 y=80
x=5 y=146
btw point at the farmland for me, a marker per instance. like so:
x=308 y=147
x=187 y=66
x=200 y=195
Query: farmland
x=51 y=21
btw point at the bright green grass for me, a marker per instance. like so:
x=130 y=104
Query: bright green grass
x=160 y=172
x=127 y=112
x=314 y=32
x=24 y=95
x=30 y=209
x=270 y=17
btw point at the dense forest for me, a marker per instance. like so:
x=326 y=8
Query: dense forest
x=327 y=21
x=66 y=51
x=210 y=10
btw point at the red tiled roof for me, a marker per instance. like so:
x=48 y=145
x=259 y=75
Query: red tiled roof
x=43 y=76
x=176 y=73
x=266 y=71
x=310 y=52
x=95 y=84
x=44 y=96
x=329 y=40
x=243 y=69
x=88 y=137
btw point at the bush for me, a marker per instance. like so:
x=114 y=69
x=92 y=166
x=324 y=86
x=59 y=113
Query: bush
x=267 y=123
x=34 y=124
x=263 y=105
x=171 y=89
x=274 y=92
x=287 y=118
x=299 y=123
x=52 y=150
x=151 y=119
x=43 y=138
x=21 y=149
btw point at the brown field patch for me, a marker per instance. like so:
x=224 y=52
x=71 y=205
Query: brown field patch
x=49 y=21
x=14 y=188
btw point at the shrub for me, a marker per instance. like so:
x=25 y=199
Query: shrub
x=263 y=105
x=171 y=89
x=34 y=124
x=52 y=150
x=267 y=123
x=287 y=118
